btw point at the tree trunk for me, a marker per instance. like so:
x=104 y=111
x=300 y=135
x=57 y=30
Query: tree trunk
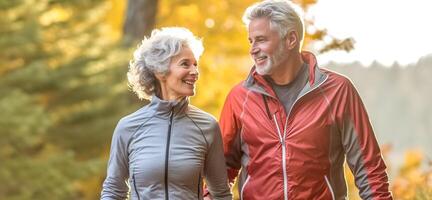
x=140 y=19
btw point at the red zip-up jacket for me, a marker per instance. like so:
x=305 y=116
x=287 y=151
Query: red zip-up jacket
x=300 y=154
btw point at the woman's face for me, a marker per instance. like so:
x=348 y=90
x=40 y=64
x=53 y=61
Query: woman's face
x=181 y=78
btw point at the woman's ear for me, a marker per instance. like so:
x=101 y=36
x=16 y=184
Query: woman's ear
x=161 y=77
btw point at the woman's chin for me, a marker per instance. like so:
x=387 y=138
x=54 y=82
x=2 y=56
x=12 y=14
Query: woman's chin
x=191 y=94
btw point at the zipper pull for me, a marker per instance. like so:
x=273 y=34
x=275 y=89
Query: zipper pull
x=171 y=116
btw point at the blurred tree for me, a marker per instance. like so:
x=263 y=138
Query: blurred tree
x=140 y=19
x=61 y=93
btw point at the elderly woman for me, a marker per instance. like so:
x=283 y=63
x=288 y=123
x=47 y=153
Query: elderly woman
x=165 y=149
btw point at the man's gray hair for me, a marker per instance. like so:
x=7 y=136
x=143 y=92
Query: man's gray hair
x=284 y=16
x=154 y=56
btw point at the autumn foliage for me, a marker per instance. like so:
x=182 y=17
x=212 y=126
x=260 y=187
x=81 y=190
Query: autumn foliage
x=63 y=88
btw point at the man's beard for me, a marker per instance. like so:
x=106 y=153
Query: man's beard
x=271 y=62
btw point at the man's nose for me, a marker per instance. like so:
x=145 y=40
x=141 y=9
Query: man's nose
x=253 y=50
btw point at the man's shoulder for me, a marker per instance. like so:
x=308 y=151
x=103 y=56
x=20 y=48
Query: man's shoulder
x=239 y=86
x=238 y=89
x=336 y=77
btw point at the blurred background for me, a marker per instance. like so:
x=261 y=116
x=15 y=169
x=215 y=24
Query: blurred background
x=63 y=86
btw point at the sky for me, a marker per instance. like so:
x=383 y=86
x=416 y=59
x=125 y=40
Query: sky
x=384 y=30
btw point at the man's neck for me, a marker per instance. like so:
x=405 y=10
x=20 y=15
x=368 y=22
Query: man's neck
x=287 y=72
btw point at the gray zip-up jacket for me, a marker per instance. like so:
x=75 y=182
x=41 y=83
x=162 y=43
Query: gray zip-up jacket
x=162 y=151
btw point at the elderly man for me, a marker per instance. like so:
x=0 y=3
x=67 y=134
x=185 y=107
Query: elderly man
x=290 y=125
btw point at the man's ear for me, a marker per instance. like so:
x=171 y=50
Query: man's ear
x=291 y=40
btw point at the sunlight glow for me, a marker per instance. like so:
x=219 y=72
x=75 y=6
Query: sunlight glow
x=385 y=30
x=209 y=22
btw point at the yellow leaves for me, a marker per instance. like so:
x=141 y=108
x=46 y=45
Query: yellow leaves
x=69 y=49
x=188 y=15
x=229 y=23
x=54 y=15
x=413 y=159
x=11 y=64
x=352 y=189
x=47 y=151
x=190 y=11
x=88 y=187
x=414 y=181
x=305 y=3
x=217 y=76
x=115 y=18
x=408 y=186
x=225 y=61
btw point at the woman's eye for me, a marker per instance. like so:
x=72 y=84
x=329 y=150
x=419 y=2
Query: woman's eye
x=184 y=64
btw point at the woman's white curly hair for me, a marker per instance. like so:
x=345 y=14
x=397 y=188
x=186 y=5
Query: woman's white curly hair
x=154 y=56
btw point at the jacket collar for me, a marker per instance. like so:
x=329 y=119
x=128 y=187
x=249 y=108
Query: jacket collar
x=164 y=108
x=257 y=83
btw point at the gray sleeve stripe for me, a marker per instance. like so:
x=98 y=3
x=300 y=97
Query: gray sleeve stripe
x=202 y=133
x=142 y=125
x=355 y=159
x=328 y=103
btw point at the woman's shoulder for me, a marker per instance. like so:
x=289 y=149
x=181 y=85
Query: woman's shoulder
x=201 y=118
x=196 y=112
x=132 y=121
x=206 y=123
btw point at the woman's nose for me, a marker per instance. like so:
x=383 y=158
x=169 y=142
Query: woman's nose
x=194 y=71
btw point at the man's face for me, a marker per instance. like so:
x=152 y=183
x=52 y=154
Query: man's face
x=267 y=47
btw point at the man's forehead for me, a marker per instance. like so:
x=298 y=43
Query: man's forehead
x=260 y=29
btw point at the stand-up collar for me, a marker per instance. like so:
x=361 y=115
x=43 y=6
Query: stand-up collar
x=257 y=83
x=164 y=108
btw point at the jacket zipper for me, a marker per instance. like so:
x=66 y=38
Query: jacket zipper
x=330 y=187
x=167 y=155
x=266 y=106
x=135 y=187
x=244 y=185
x=282 y=137
x=199 y=185
x=282 y=141
x=292 y=106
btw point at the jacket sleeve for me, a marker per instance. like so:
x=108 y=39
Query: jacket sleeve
x=361 y=147
x=230 y=127
x=214 y=170
x=115 y=185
